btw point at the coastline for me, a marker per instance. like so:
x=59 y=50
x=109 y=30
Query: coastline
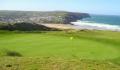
x=83 y=26
x=95 y=26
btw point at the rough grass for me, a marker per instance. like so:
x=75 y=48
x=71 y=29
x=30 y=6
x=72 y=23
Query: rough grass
x=33 y=63
x=61 y=50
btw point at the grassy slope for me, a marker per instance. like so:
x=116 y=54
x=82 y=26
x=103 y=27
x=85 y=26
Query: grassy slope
x=87 y=50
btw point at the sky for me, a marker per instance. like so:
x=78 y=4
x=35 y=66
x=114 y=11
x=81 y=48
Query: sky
x=106 y=7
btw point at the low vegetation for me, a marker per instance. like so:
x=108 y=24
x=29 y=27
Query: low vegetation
x=60 y=50
x=24 y=26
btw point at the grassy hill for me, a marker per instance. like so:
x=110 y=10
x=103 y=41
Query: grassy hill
x=60 y=50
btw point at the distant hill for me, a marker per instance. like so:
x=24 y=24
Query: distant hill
x=41 y=17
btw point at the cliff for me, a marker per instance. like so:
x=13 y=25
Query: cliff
x=41 y=17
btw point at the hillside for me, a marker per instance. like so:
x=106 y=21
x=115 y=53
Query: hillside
x=41 y=17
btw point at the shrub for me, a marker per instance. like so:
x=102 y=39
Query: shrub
x=12 y=53
x=25 y=26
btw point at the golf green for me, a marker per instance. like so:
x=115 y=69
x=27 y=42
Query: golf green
x=83 y=45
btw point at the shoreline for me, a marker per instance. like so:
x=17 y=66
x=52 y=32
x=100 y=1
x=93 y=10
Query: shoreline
x=95 y=26
x=82 y=26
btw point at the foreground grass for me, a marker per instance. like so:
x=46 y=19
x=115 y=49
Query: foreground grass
x=32 y=63
x=62 y=50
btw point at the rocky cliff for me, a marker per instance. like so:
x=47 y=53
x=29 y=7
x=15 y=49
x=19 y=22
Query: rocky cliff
x=41 y=17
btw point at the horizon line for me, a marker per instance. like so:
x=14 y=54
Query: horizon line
x=59 y=11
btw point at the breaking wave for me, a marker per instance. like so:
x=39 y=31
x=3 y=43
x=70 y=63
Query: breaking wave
x=94 y=25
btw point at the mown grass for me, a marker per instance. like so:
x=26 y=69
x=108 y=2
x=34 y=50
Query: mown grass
x=55 y=50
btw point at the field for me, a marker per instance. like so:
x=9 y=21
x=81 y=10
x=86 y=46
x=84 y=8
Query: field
x=60 y=50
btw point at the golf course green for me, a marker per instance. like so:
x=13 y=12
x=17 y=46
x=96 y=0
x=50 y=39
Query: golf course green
x=68 y=50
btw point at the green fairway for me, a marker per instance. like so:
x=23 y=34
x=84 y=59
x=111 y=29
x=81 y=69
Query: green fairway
x=88 y=45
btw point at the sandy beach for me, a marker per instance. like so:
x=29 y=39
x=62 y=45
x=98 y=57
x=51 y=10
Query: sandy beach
x=60 y=26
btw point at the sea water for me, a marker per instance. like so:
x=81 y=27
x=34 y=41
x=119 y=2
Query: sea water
x=99 y=22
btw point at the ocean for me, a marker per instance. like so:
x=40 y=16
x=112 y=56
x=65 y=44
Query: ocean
x=99 y=22
x=104 y=19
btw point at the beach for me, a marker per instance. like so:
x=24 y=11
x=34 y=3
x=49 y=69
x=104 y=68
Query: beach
x=59 y=26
